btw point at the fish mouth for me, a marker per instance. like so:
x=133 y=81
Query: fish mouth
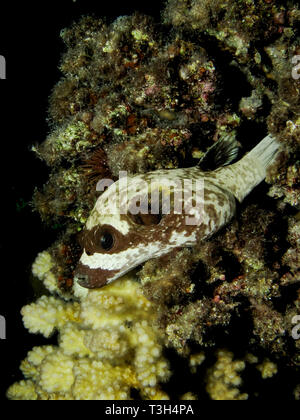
x=93 y=278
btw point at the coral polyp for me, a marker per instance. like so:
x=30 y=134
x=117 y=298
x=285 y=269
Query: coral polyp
x=95 y=167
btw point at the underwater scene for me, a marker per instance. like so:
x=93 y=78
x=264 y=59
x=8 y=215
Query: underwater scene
x=151 y=201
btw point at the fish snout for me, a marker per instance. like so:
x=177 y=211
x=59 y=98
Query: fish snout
x=92 y=278
x=82 y=279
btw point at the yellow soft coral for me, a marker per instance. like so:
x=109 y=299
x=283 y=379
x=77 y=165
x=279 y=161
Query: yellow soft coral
x=224 y=379
x=47 y=314
x=107 y=345
x=24 y=390
x=267 y=369
x=42 y=269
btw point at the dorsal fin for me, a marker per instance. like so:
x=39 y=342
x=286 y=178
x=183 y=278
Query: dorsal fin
x=222 y=153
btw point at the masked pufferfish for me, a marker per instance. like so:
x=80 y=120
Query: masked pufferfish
x=114 y=243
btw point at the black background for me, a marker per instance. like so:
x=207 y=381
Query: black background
x=30 y=42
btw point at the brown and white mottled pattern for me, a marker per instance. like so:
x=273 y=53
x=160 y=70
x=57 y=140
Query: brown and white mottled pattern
x=135 y=240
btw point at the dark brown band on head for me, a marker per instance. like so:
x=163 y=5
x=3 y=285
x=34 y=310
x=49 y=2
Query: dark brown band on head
x=93 y=278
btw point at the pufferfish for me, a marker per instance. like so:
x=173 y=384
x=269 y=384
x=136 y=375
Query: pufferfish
x=114 y=241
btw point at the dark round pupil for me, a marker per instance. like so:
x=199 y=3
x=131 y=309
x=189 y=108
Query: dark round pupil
x=107 y=241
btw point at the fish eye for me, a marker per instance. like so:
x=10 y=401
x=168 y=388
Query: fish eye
x=106 y=241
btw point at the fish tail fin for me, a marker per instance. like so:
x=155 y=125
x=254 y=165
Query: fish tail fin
x=243 y=176
x=253 y=167
x=265 y=152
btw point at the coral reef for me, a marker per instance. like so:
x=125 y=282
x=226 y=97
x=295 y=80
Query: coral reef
x=139 y=95
x=107 y=345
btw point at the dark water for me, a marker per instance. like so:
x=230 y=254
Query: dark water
x=29 y=40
